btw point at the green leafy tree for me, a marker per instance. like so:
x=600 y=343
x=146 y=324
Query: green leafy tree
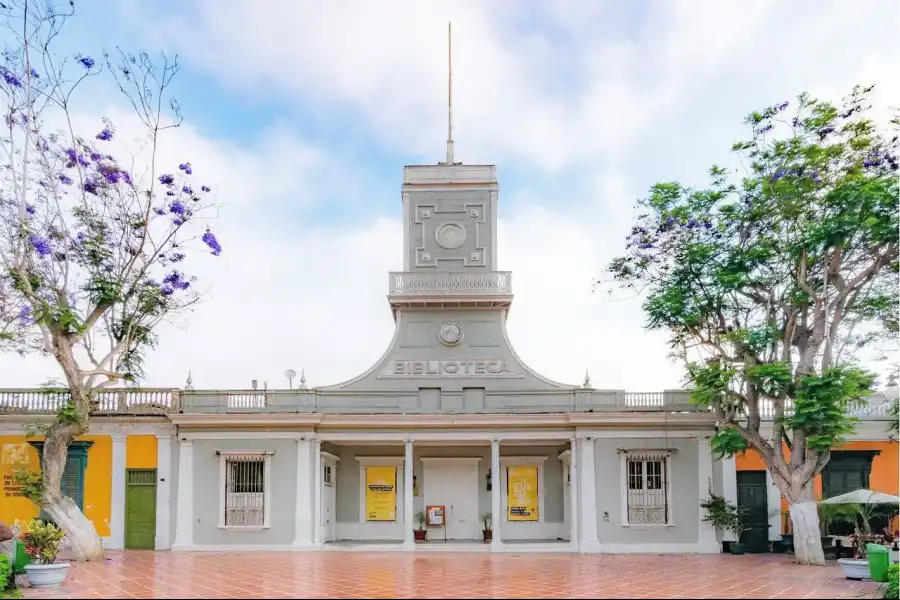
x=771 y=282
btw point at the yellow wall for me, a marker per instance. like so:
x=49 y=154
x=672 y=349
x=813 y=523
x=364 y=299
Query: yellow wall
x=18 y=453
x=140 y=452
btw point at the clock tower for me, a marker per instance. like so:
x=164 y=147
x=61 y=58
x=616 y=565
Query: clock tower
x=450 y=234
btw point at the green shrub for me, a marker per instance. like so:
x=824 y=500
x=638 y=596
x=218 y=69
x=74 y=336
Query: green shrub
x=891 y=591
x=8 y=588
x=5 y=570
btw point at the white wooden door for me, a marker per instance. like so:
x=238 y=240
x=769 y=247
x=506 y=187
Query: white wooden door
x=454 y=486
x=329 y=518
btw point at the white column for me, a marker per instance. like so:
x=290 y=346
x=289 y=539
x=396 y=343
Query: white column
x=497 y=515
x=408 y=516
x=303 y=508
x=117 y=518
x=163 y=491
x=588 y=519
x=184 y=525
x=706 y=542
x=729 y=488
x=574 y=465
x=317 y=499
x=773 y=497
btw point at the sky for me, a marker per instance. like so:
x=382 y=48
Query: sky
x=301 y=116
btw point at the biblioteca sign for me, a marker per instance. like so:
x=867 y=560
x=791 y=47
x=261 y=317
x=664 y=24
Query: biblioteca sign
x=450 y=368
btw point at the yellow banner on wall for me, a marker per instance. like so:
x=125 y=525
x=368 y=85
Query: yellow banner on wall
x=381 y=493
x=522 y=493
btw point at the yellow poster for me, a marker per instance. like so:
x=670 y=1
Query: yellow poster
x=522 y=493
x=381 y=493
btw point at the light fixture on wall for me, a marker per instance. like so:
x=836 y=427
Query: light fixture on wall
x=487 y=479
x=415 y=485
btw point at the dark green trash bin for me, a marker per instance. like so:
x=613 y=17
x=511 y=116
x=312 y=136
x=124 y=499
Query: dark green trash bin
x=879 y=560
x=20 y=557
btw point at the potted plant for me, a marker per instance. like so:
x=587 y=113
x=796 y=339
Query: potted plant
x=421 y=532
x=736 y=527
x=860 y=516
x=488 y=533
x=41 y=541
x=720 y=512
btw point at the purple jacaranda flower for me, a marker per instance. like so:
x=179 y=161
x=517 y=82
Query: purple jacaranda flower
x=29 y=208
x=176 y=208
x=205 y=188
x=86 y=61
x=105 y=135
x=41 y=245
x=166 y=179
x=160 y=211
x=10 y=78
x=186 y=167
x=210 y=240
x=25 y=316
x=176 y=257
x=65 y=179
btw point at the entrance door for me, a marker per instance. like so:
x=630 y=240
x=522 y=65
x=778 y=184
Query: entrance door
x=140 y=509
x=453 y=483
x=752 y=498
x=328 y=512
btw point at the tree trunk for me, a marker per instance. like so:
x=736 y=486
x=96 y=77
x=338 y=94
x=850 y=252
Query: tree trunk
x=805 y=523
x=81 y=536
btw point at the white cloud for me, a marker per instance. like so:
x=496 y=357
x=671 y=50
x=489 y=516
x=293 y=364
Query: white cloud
x=289 y=293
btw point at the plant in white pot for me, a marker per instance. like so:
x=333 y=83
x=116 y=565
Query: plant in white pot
x=860 y=515
x=41 y=541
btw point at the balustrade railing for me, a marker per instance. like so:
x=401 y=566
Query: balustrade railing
x=110 y=401
x=483 y=283
x=161 y=401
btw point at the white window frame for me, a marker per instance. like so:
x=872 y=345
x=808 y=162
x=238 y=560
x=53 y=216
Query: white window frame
x=224 y=457
x=647 y=455
x=399 y=477
x=521 y=461
x=329 y=467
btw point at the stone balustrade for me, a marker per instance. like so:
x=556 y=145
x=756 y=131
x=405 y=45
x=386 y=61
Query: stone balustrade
x=161 y=401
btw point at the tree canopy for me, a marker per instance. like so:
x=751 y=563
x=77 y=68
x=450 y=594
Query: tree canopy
x=772 y=278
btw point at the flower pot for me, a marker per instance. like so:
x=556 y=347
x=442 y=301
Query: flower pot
x=420 y=534
x=737 y=549
x=726 y=547
x=854 y=568
x=46 y=576
x=488 y=535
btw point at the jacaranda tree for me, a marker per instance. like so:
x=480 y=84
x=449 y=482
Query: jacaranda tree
x=771 y=281
x=93 y=239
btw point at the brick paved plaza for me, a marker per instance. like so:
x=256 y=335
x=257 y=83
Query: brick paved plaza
x=137 y=574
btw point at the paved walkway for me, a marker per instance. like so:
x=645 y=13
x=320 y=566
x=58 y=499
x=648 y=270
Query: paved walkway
x=449 y=575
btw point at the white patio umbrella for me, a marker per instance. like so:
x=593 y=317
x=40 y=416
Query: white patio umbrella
x=863 y=497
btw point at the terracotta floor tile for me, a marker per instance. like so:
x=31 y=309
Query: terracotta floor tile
x=135 y=574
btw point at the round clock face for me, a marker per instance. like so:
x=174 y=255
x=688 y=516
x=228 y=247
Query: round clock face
x=450 y=333
x=450 y=236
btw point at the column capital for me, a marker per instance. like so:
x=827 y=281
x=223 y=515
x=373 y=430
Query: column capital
x=118 y=438
x=186 y=441
x=408 y=442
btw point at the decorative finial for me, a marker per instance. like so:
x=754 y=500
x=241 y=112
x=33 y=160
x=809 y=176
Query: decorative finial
x=449 y=160
x=587 y=379
x=189 y=384
x=303 y=379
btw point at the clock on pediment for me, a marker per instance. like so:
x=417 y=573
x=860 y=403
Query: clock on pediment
x=450 y=333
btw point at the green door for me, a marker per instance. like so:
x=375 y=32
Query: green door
x=752 y=498
x=140 y=509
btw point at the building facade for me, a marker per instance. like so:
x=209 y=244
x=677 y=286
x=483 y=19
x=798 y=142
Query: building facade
x=448 y=424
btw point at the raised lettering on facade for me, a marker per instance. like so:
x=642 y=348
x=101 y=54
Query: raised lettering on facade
x=449 y=368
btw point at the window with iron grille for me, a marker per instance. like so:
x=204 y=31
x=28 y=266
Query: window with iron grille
x=246 y=489
x=646 y=488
